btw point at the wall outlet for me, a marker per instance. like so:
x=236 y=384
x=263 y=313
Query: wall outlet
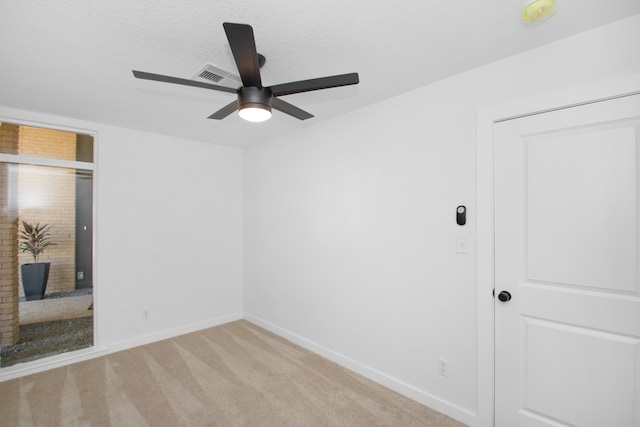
x=80 y=275
x=443 y=367
x=146 y=315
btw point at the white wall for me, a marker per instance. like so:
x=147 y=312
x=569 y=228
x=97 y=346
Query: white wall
x=168 y=236
x=350 y=234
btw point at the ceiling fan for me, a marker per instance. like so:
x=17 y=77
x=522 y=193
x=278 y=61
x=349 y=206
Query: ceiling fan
x=255 y=101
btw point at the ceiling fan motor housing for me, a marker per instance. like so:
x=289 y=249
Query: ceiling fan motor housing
x=254 y=97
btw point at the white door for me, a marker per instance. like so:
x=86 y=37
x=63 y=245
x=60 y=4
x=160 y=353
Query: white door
x=567 y=223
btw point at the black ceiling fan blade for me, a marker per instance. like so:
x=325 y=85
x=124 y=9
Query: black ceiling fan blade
x=243 y=46
x=315 y=84
x=225 y=111
x=290 y=109
x=179 y=81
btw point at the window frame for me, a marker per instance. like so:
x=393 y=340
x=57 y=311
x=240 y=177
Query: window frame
x=95 y=350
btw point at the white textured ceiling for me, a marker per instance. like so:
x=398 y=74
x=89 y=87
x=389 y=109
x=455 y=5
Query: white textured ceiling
x=74 y=58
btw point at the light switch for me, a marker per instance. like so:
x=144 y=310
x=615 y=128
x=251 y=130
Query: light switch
x=462 y=245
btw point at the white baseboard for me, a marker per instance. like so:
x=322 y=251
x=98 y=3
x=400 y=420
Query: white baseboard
x=174 y=332
x=51 y=362
x=394 y=384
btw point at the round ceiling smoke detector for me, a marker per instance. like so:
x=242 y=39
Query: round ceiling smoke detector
x=538 y=10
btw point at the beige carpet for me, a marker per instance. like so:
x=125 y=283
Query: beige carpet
x=236 y=374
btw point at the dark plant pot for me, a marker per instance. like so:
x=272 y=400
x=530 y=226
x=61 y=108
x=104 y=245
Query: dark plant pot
x=34 y=279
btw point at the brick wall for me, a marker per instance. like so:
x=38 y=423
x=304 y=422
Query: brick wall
x=9 y=316
x=47 y=195
x=8 y=138
x=48 y=143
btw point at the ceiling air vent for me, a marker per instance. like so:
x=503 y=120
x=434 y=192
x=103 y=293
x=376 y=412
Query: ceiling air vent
x=210 y=73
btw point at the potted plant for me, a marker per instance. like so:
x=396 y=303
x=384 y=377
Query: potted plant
x=34 y=239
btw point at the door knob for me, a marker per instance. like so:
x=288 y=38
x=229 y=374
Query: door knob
x=504 y=296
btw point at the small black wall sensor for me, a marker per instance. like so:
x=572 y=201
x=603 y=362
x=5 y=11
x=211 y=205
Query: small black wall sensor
x=461 y=215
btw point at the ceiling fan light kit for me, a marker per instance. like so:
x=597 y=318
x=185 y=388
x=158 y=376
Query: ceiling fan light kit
x=254 y=101
x=255 y=114
x=254 y=104
x=538 y=10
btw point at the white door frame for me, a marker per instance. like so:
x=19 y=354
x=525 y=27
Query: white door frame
x=485 y=204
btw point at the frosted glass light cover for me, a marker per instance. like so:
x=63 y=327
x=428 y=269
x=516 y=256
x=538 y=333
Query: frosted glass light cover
x=538 y=10
x=253 y=114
